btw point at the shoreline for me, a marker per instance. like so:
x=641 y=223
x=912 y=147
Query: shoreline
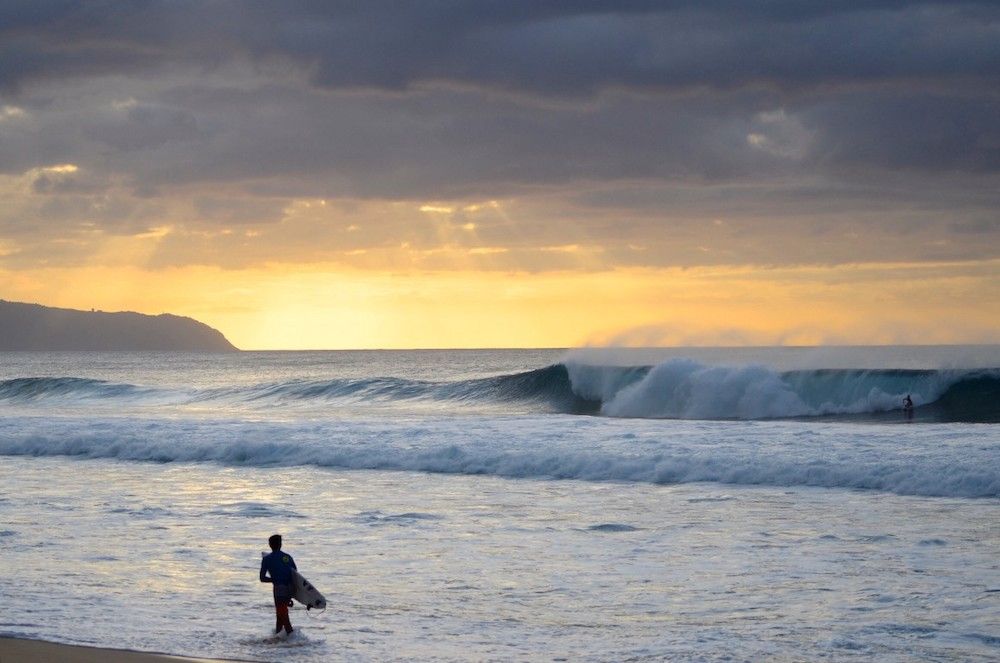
x=44 y=651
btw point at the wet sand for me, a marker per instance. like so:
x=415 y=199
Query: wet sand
x=14 y=650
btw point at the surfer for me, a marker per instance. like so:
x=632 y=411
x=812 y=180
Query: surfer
x=276 y=569
x=908 y=406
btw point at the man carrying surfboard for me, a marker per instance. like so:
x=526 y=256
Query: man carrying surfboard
x=278 y=569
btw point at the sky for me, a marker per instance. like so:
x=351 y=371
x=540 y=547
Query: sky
x=320 y=174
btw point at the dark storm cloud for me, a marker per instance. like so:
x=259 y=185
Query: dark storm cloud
x=888 y=84
x=441 y=144
x=633 y=126
x=453 y=143
x=536 y=47
x=143 y=126
x=930 y=132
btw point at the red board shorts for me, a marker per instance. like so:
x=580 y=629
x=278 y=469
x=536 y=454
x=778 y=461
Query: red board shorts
x=282 y=593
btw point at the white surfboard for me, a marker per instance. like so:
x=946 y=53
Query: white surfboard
x=305 y=593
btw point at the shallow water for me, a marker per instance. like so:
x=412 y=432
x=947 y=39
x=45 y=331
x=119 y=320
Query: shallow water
x=165 y=558
x=471 y=523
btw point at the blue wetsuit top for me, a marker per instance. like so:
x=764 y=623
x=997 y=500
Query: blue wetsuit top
x=279 y=565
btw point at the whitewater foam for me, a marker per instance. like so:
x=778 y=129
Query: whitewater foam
x=685 y=389
x=953 y=460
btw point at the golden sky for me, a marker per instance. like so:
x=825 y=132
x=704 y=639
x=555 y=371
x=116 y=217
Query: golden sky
x=326 y=307
x=693 y=175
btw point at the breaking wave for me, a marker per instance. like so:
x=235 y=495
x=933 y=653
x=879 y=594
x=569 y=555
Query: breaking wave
x=684 y=389
x=677 y=389
x=925 y=462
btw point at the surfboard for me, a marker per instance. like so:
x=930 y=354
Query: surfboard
x=305 y=593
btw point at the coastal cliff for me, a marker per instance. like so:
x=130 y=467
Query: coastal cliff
x=36 y=327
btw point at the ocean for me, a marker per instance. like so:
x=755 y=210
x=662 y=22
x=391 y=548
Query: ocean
x=688 y=504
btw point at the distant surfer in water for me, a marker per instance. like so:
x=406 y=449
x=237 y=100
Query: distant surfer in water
x=276 y=569
x=908 y=406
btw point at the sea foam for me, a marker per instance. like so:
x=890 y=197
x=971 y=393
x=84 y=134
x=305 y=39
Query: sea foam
x=947 y=460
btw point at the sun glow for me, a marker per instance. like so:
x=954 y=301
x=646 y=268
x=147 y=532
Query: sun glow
x=329 y=307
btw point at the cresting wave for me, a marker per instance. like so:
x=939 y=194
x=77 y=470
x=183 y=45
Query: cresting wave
x=677 y=389
x=684 y=389
x=952 y=462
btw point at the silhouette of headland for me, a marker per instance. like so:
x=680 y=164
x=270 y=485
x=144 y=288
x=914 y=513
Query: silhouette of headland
x=36 y=327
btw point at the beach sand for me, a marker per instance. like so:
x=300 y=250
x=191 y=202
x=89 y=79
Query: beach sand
x=13 y=650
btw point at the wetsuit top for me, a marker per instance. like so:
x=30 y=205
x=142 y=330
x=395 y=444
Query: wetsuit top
x=279 y=565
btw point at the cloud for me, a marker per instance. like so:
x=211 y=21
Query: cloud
x=930 y=132
x=646 y=133
x=131 y=126
x=539 y=48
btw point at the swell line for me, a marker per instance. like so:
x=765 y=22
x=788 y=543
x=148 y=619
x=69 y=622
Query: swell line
x=677 y=389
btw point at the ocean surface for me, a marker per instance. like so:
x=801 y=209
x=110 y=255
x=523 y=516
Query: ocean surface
x=589 y=505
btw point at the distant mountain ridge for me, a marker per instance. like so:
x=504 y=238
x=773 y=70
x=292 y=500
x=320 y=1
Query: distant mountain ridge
x=36 y=327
